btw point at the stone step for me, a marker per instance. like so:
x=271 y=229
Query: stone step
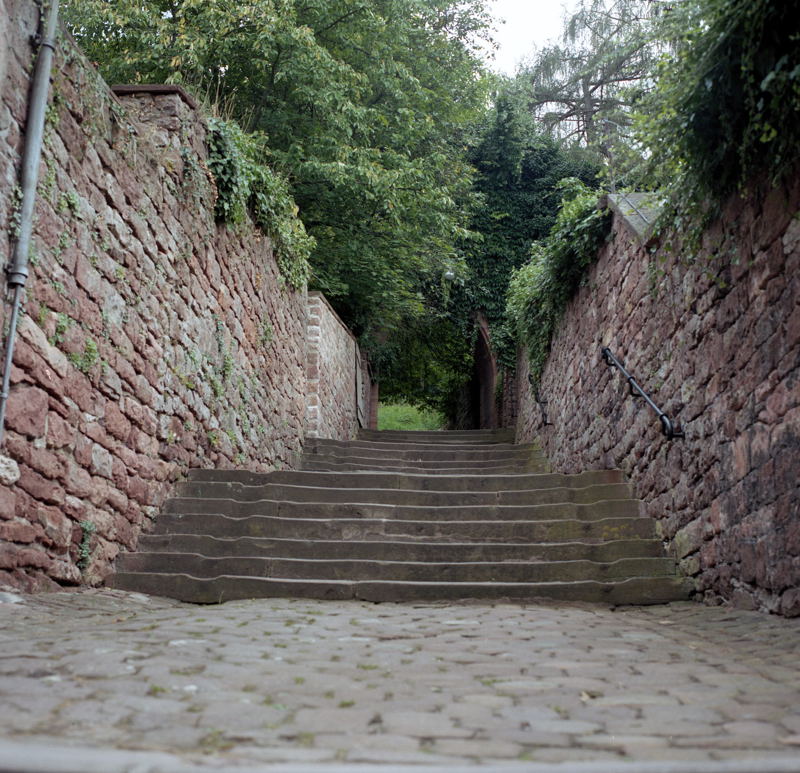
x=396 y=571
x=315 y=448
x=370 y=529
x=399 y=446
x=609 y=508
x=330 y=463
x=366 y=467
x=450 y=552
x=441 y=437
x=242 y=493
x=470 y=482
x=636 y=590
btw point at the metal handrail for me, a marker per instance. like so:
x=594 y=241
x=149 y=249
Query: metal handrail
x=667 y=427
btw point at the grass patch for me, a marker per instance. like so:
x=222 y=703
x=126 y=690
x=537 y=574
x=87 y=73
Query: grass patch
x=404 y=416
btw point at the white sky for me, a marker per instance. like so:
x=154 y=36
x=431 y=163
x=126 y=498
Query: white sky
x=529 y=23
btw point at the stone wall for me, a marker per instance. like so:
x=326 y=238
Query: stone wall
x=153 y=340
x=339 y=385
x=717 y=344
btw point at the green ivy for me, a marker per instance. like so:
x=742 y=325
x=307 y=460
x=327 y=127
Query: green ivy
x=246 y=186
x=540 y=290
x=725 y=107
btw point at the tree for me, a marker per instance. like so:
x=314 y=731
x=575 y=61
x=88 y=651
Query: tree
x=362 y=103
x=583 y=90
x=726 y=103
x=519 y=169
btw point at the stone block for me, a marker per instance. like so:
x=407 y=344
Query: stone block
x=39 y=487
x=57 y=527
x=790 y=603
x=60 y=433
x=116 y=423
x=102 y=461
x=18 y=531
x=31 y=332
x=78 y=481
x=27 y=410
x=15 y=557
x=9 y=471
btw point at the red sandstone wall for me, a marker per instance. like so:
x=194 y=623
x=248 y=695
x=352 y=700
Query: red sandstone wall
x=336 y=372
x=721 y=354
x=153 y=340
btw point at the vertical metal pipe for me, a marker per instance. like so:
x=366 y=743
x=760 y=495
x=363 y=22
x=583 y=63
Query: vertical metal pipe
x=12 y=334
x=17 y=270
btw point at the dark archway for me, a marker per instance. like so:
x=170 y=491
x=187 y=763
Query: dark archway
x=484 y=378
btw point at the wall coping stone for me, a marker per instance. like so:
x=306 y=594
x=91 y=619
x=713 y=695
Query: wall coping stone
x=625 y=206
x=135 y=89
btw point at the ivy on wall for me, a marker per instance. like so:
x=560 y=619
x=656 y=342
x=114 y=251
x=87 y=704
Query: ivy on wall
x=540 y=290
x=246 y=185
x=725 y=107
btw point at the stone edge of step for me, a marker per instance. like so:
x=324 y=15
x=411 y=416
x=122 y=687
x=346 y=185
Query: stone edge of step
x=615 y=592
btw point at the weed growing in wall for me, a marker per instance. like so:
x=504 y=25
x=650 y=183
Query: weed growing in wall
x=267 y=334
x=87 y=359
x=84 y=549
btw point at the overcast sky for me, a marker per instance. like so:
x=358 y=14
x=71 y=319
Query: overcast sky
x=529 y=23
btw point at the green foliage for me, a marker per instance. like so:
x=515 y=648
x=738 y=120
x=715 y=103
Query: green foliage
x=63 y=323
x=519 y=172
x=267 y=333
x=726 y=105
x=429 y=360
x=408 y=417
x=541 y=289
x=364 y=103
x=84 y=549
x=423 y=361
x=583 y=88
x=246 y=184
x=85 y=360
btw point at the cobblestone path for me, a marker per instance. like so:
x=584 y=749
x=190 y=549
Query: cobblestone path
x=311 y=681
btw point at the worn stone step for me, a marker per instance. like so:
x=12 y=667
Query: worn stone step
x=368 y=529
x=206 y=545
x=399 y=570
x=636 y=590
x=314 y=445
x=406 y=516
x=321 y=464
x=610 y=508
x=240 y=493
x=441 y=436
x=369 y=450
x=401 y=481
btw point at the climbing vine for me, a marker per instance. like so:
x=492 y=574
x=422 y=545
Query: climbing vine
x=725 y=107
x=246 y=185
x=540 y=290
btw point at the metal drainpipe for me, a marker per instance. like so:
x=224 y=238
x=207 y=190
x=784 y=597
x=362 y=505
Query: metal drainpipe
x=17 y=270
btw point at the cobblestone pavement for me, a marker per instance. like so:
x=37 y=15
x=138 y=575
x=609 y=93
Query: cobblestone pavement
x=293 y=681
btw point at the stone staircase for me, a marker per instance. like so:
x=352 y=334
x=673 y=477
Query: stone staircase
x=396 y=516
